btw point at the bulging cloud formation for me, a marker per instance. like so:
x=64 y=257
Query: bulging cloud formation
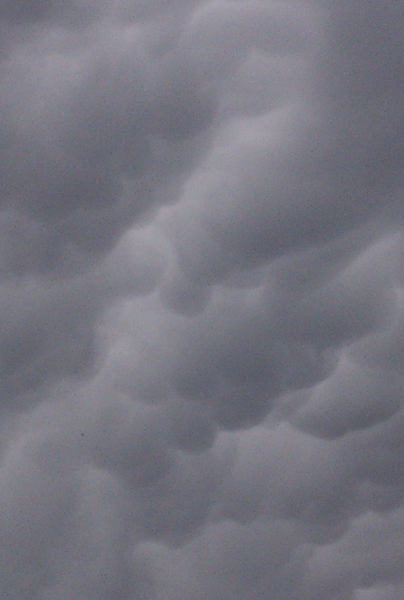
x=201 y=300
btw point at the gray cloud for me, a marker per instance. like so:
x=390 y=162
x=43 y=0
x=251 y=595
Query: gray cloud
x=201 y=300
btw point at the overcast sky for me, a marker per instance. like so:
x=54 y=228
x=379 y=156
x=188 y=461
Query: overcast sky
x=201 y=300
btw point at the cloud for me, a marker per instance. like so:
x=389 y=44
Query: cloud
x=201 y=300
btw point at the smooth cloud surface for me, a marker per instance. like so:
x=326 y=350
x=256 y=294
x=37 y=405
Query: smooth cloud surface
x=201 y=300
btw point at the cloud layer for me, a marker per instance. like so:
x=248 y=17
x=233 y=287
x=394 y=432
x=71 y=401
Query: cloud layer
x=201 y=300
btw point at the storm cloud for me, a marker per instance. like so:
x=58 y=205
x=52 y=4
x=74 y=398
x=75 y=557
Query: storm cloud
x=201 y=300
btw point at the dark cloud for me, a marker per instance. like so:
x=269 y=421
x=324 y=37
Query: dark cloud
x=201 y=300
x=70 y=13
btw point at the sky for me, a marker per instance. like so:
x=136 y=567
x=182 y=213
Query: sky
x=201 y=300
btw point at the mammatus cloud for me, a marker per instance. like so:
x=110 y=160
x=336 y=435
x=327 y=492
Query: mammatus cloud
x=201 y=300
